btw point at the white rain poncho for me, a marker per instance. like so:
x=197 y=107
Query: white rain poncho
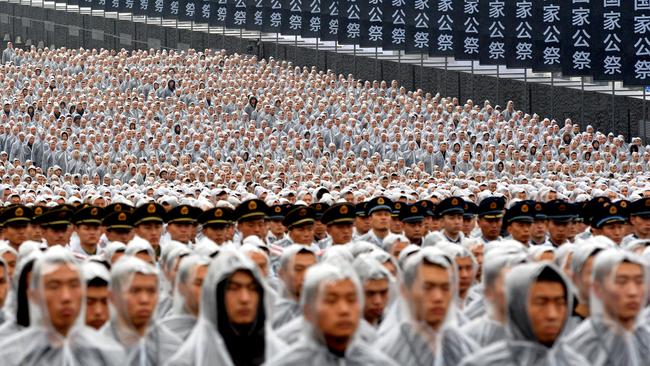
x=521 y=346
x=207 y=344
x=16 y=307
x=369 y=269
x=490 y=327
x=602 y=338
x=287 y=308
x=181 y=320
x=111 y=249
x=169 y=262
x=41 y=343
x=137 y=245
x=311 y=348
x=158 y=343
x=6 y=281
x=409 y=339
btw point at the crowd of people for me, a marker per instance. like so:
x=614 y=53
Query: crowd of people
x=198 y=208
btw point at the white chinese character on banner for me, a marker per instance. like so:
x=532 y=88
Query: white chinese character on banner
x=240 y=17
x=612 y=43
x=334 y=26
x=551 y=14
x=398 y=36
x=314 y=24
x=353 y=30
x=496 y=9
x=398 y=17
x=471 y=25
x=524 y=51
x=471 y=45
x=497 y=50
x=612 y=65
x=445 y=42
x=421 y=4
x=205 y=11
x=190 y=9
x=445 y=23
x=422 y=20
x=128 y=4
x=641 y=5
x=611 y=20
x=421 y=39
x=375 y=15
x=524 y=9
x=295 y=6
x=642 y=47
x=314 y=6
x=580 y=17
x=144 y=4
x=642 y=24
x=471 y=7
x=582 y=60
x=276 y=20
x=611 y=3
x=259 y=17
x=551 y=35
x=295 y=22
x=445 y=6
x=174 y=7
x=496 y=30
x=158 y=5
x=374 y=33
x=524 y=30
x=642 y=69
x=581 y=38
x=551 y=56
x=353 y=12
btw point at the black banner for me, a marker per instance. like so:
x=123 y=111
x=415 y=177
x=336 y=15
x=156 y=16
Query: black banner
x=204 y=12
x=519 y=33
x=236 y=14
x=371 y=23
x=577 y=37
x=254 y=14
x=442 y=29
x=329 y=18
x=418 y=26
x=636 y=22
x=156 y=9
x=466 y=34
x=142 y=7
x=492 y=41
x=311 y=21
x=349 y=22
x=608 y=40
x=394 y=25
x=187 y=10
x=272 y=19
x=172 y=8
x=218 y=13
x=546 y=35
x=292 y=17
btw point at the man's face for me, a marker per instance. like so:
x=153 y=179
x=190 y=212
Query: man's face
x=150 y=231
x=538 y=229
x=452 y=223
x=303 y=234
x=62 y=293
x=180 y=231
x=192 y=291
x=431 y=294
x=216 y=233
x=362 y=224
x=614 y=231
x=242 y=297
x=465 y=274
x=380 y=220
x=97 y=306
x=490 y=228
x=583 y=279
x=414 y=231
x=57 y=235
x=340 y=233
x=261 y=261
x=16 y=233
x=376 y=298
x=294 y=276
x=141 y=298
x=4 y=284
x=559 y=231
x=10 y=259
x=338 y=310
x=520 y=231
x=89 y=234
x=253 y=227
x=641 y=226
x=496 y=294
x=121 y=235
x=623 y=294
x=547 y=310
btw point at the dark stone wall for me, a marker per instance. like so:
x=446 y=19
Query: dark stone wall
x=75 y=30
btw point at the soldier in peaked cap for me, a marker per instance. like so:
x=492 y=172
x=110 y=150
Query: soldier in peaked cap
x=182 y=223
x=639 y=212
x=215 y=223
x=148 y=220
x=320 y=230
x=362 y=221
x=87 y=224
x=16 y=221
x=277 y=231
x=451 y=210
x=469 y=218
x=56 y=225
x=587 y=212
x=608 y=220
x=396 y=226
x=118 y=226
x=559 y=215
x=251 y=216
x=340 y=220
x=35 y=229
x=117 y=207
x=518 y=221
x=490 y=215
x=431 y=223
x=300 y=224
x=412 y=217
x=538 y=231
x=379 y=209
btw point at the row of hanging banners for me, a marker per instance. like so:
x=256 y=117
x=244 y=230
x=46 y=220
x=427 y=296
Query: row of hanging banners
x=608 y=40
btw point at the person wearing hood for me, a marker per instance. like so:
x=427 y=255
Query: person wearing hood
x=57 y=334
x=426 y=331
x=490 y=326
x=378 y=287
x=97 y=279
x=232 y=326
x=614 y=334
x=332 y=303
x=16 y=308
x=134 y=294
x=295 y=260
x=187 y=295
x=4 y=287
x=538 y=301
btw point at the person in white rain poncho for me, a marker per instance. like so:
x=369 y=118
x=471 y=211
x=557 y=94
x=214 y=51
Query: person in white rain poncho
x=538 y=303
x=490 y=327
x=97 y=280
x=187 y=295
x=295 y=260
x=614 y=333
x=4 y=287
x=16 y=307
x=57 y=334
x=233 y=326
x=427 y=333
x=332 y=303
x=134 y=294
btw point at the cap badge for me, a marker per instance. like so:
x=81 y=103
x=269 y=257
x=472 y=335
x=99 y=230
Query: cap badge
x=454 y=201
x=380 y=201
x=343 y=210
x=612 y=210
x=493 y=205
x=414 y=209
x=252 y=205
x=185 y=210
x=94 y=211
x=19 y=212
x=524 y=208
x=218 y=213
x=151 y=209
x=121 y=217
